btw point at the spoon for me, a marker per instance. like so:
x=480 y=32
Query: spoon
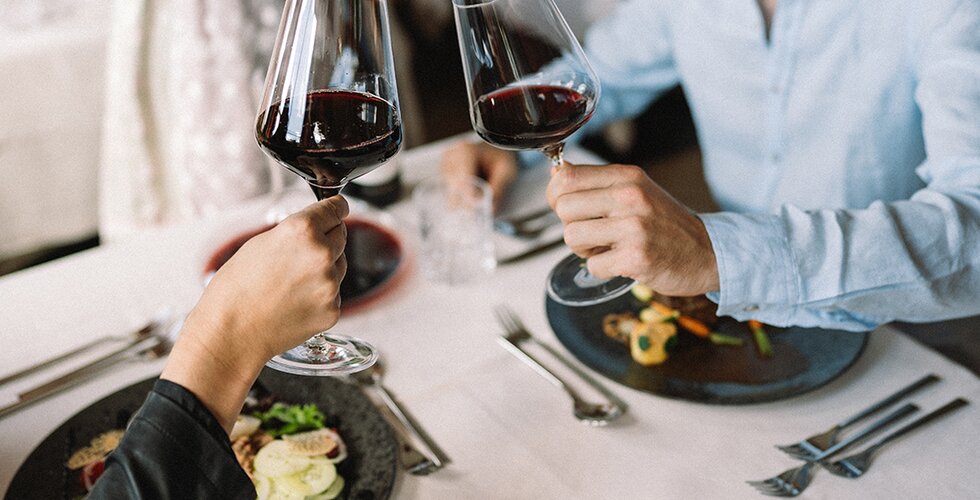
x=372 y=377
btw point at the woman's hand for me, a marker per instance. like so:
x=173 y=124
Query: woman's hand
x=497 y=166
x=277 y=291
x=627 y=225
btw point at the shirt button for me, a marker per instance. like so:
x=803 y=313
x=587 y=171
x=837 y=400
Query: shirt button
x=751 y=308
x=775 y=88
x=775 y=158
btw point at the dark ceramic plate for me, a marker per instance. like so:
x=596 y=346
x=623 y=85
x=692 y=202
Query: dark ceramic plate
x=369 y=470
x=697 y=370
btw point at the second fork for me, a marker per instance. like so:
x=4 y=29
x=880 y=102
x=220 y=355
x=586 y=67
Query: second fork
x=590 y=413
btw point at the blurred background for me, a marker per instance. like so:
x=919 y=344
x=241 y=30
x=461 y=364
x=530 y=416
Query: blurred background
x=117 y=114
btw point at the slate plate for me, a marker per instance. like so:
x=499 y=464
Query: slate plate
x=369 y=470
x=697 y=370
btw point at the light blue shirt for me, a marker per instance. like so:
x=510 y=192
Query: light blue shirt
x=844 y=151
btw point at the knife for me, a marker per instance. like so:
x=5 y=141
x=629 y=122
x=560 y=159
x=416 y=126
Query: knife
x=531 y=252
x=134 y=338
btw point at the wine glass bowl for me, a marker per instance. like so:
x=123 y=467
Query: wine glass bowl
x=529 y=83
x=530 y=87
x=329 y=113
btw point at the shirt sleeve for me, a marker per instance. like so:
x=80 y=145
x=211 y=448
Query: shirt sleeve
x=913 y=260
x=173 y=448
x=632 y=54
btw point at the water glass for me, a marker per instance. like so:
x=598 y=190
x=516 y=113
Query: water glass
x=455 y=229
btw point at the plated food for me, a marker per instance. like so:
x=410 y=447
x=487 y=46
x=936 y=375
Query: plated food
x=289 y=452
x=700 y=367
x=368 y=470
x=651 y=328
x=286 y=449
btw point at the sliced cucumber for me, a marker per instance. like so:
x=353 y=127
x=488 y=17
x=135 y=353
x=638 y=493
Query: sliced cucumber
x=278 y=490
x=263 y=486
x=316 y=478
x=275 y=459
x=245 y=425
x=332 y=492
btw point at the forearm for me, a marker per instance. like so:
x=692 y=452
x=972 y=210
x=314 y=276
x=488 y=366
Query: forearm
x=913 y=260
x=219 y=376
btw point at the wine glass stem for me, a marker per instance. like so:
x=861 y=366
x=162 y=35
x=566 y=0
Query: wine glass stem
x=323 y=193
x=555 y=153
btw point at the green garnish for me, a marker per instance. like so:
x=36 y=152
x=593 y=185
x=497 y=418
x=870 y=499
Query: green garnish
x=723 y=339
x=644 y=343
x=282 y=419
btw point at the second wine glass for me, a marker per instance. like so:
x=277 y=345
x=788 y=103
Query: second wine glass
x=329 y=113
x=530 y=87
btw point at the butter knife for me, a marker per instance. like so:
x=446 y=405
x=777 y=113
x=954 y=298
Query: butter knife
x=531 y=252
x=78 y=375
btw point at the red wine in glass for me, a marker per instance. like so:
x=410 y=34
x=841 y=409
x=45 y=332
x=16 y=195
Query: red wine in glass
x=343 y=134
x=530 y=116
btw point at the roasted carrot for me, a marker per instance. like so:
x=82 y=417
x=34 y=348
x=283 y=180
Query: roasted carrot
x=688 y=323
x=761 y=338
x=694 y=326
x=663 y=309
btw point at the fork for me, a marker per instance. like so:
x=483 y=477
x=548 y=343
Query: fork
x=131 y=339
x=792 y=482
x=856 y=465
x=527 y=226
x=812 y=446
x=155 y=346
x=590 y=413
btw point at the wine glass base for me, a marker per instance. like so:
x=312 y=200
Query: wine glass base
x=571 y=284
x=340 y=355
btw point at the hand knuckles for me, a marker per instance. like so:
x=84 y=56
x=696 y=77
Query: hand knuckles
x=636 y=225
x=300 y=226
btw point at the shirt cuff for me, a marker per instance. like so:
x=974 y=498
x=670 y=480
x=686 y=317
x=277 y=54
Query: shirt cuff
x=193 y=406
x=756 y=269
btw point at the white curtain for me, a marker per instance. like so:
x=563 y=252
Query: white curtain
x=181 y=99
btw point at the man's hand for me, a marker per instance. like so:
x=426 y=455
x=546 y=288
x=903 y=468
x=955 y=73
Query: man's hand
x=627 y=225
x=479 y=159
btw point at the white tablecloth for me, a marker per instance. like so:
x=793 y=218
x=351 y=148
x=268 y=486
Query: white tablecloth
x=509 y=433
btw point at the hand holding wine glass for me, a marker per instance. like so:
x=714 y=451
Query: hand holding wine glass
x=330 y=114
x=530 y=87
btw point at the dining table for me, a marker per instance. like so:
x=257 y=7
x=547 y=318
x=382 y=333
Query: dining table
x=509 y=432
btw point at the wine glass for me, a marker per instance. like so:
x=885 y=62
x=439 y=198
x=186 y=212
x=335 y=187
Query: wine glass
x=329 y=113
x=530 y=87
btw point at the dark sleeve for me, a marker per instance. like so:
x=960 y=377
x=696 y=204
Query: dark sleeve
x=173 y=448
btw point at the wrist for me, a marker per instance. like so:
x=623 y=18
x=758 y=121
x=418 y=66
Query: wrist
x=211 y=361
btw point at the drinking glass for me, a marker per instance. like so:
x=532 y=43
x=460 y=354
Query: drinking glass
x=530 y=87
x=329 y=113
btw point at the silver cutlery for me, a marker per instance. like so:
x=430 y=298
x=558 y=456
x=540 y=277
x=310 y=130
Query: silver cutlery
x=792 y=482
x=856 y=465
x=434 y=457
x=530 y=225
x=413 y=461
x=131 y=339
x=587 y=412
x=531 y=252
x=812 y=446
x=156 y=345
